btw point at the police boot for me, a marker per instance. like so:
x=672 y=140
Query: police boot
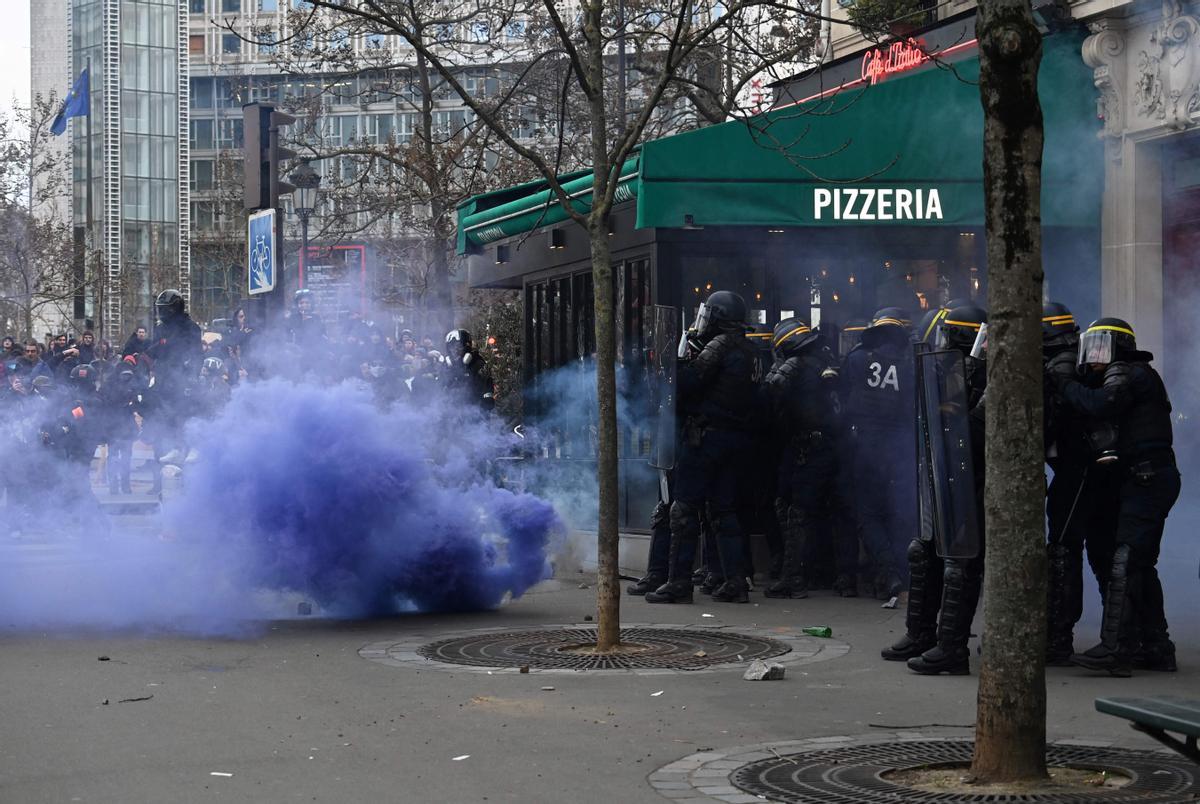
x=959 y=597
x=1157 y=651
x=1063 y=573
x=711 y=583
x=924 y=597
x=1113 y=654
x=647 y=584
x=793 y=582
x=846 y=585
x=733 y=590
x=685 y=527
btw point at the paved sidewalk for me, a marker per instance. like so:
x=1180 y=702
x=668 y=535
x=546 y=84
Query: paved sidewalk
x=296 y=713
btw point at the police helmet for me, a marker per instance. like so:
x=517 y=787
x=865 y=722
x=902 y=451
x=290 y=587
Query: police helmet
x=303 y=294
x=43 y=384
x=169 y=304
x=850 y=335
x=1059 y=330
x=460 y=338
x=1106 y=340
x=726 y=309
x=890 y=323
x=791 y=336
x=959 y=328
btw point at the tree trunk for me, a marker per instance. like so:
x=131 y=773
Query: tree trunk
x=1010 y=728
x=608 y=589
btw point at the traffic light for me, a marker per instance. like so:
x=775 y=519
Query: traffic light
x=264 y=156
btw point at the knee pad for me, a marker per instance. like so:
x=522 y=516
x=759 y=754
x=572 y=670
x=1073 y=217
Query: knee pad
x=660 y=516
x=918 y=552
x=684 y=517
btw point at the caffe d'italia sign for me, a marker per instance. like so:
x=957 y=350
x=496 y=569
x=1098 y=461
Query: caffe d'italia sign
x=877 y=204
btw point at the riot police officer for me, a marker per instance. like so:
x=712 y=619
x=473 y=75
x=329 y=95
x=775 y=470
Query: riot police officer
x=1132 y=399
x=1080 y=501
x=802 y=393
x=962 y=329
x=466 y=373
x=716 y=397
x=880 y=408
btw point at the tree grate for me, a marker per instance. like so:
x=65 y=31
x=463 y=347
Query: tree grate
x=852 y=775
x=566 y=649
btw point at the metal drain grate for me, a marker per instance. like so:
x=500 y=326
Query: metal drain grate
x=851 y=775
x=565 y=649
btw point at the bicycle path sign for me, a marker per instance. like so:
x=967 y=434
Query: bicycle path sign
x=260 y=252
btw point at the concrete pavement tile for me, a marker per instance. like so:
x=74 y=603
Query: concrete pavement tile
x=722 y=790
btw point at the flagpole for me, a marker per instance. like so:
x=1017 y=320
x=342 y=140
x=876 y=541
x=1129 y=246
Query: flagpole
x=91 y=234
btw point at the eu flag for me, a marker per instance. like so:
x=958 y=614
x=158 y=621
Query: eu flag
x=77 y=104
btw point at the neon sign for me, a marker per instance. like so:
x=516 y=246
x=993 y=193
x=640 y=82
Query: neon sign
x=899 y=57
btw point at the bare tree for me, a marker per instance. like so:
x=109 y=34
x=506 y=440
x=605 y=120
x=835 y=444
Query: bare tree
x=1010 y=729
x=38 y=276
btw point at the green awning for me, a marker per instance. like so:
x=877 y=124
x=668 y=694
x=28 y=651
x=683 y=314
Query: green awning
x=493 y=216
x=907 y=151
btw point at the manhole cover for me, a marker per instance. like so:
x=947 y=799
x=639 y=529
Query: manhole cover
x=568 y=649
x=852 y=775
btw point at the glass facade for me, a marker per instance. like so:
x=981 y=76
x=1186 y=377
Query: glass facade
x=149 y=150
x=135 y=182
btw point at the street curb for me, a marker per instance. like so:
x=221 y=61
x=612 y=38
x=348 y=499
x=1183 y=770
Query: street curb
x=403 y=652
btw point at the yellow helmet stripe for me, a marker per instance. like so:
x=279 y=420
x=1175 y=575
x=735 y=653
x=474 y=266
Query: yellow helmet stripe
x=1110 y=327
x=893 y=321
x=853 y=329
x=1068 y=318
x=796 y=331
x=942 y=313
x=968 y=324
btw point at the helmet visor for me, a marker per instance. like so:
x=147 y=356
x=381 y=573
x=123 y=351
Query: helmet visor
x=941 y=338
x=979 y=348
x=1097 y=346
x=703 y=319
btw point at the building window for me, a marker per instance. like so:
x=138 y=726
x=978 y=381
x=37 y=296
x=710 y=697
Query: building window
x=196 y=44
x=202 y=174
x=375 y=41
x=202 y=93
x=231 y=6
x=266 y=42
x=268 y=5
x=202 y=215
x=231 y=43
x=196 y=6
x=229 y=134
x=202 y=135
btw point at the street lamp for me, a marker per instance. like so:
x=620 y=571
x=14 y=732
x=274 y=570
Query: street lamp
x=307 y=181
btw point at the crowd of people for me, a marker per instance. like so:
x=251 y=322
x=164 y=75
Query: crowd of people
x=877 y=455
x=63 y=400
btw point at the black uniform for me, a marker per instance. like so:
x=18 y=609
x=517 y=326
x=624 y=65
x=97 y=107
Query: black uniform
x=801 y=389
x=1132 y=398
x=716 y=399
x=880 y=408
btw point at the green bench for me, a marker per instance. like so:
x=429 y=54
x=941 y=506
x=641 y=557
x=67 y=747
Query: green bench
x=1159 y=715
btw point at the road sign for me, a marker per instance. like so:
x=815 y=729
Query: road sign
x=260 y=252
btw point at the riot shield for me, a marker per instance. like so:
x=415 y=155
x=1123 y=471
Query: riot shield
x=661 y=362
x=948 y=500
